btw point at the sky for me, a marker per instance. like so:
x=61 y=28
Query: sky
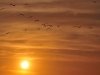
x=71 y=46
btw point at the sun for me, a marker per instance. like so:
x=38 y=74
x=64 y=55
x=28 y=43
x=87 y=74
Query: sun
x=25 y=64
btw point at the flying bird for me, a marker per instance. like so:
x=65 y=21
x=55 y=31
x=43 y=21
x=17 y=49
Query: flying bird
x=79 y=26
x=36 y=20
x=44 y=25
x=90 y=27
x=58 y=25
x=13 y=4
x=21 y=14
x=26 y=4
x=7 y=32
x=74 y=26
x=49 y=25
x=30 y=16
x=95 y=1
x=2 y=8
x=25 y=30
x=48 y=29
x=38 y=28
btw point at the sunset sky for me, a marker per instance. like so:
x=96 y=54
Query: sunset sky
x=62 y=49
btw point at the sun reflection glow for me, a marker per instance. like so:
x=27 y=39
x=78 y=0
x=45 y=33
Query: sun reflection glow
x=24 y=64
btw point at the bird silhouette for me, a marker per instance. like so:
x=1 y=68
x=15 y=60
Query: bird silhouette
x=44 y=25
x=90 y=27
x=79 y=26
x=7 y=32
x=49 y=25
x=21 y=14
x=58 y=25
x=38 y=28
x=95 y=1
x=2 y=8
x=36 y=20
x=48 y=29
x=26 y=4
x=30 y=16
x=25 y=29
x=12 y=4
x=74 y=26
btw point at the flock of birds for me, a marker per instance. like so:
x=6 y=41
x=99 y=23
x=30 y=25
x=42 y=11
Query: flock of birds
x=81 y=26
x=45 y=24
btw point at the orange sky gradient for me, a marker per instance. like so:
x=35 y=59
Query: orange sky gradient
x=63 y=50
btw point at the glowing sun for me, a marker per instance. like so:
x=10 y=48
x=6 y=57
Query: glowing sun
x=24 y=64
